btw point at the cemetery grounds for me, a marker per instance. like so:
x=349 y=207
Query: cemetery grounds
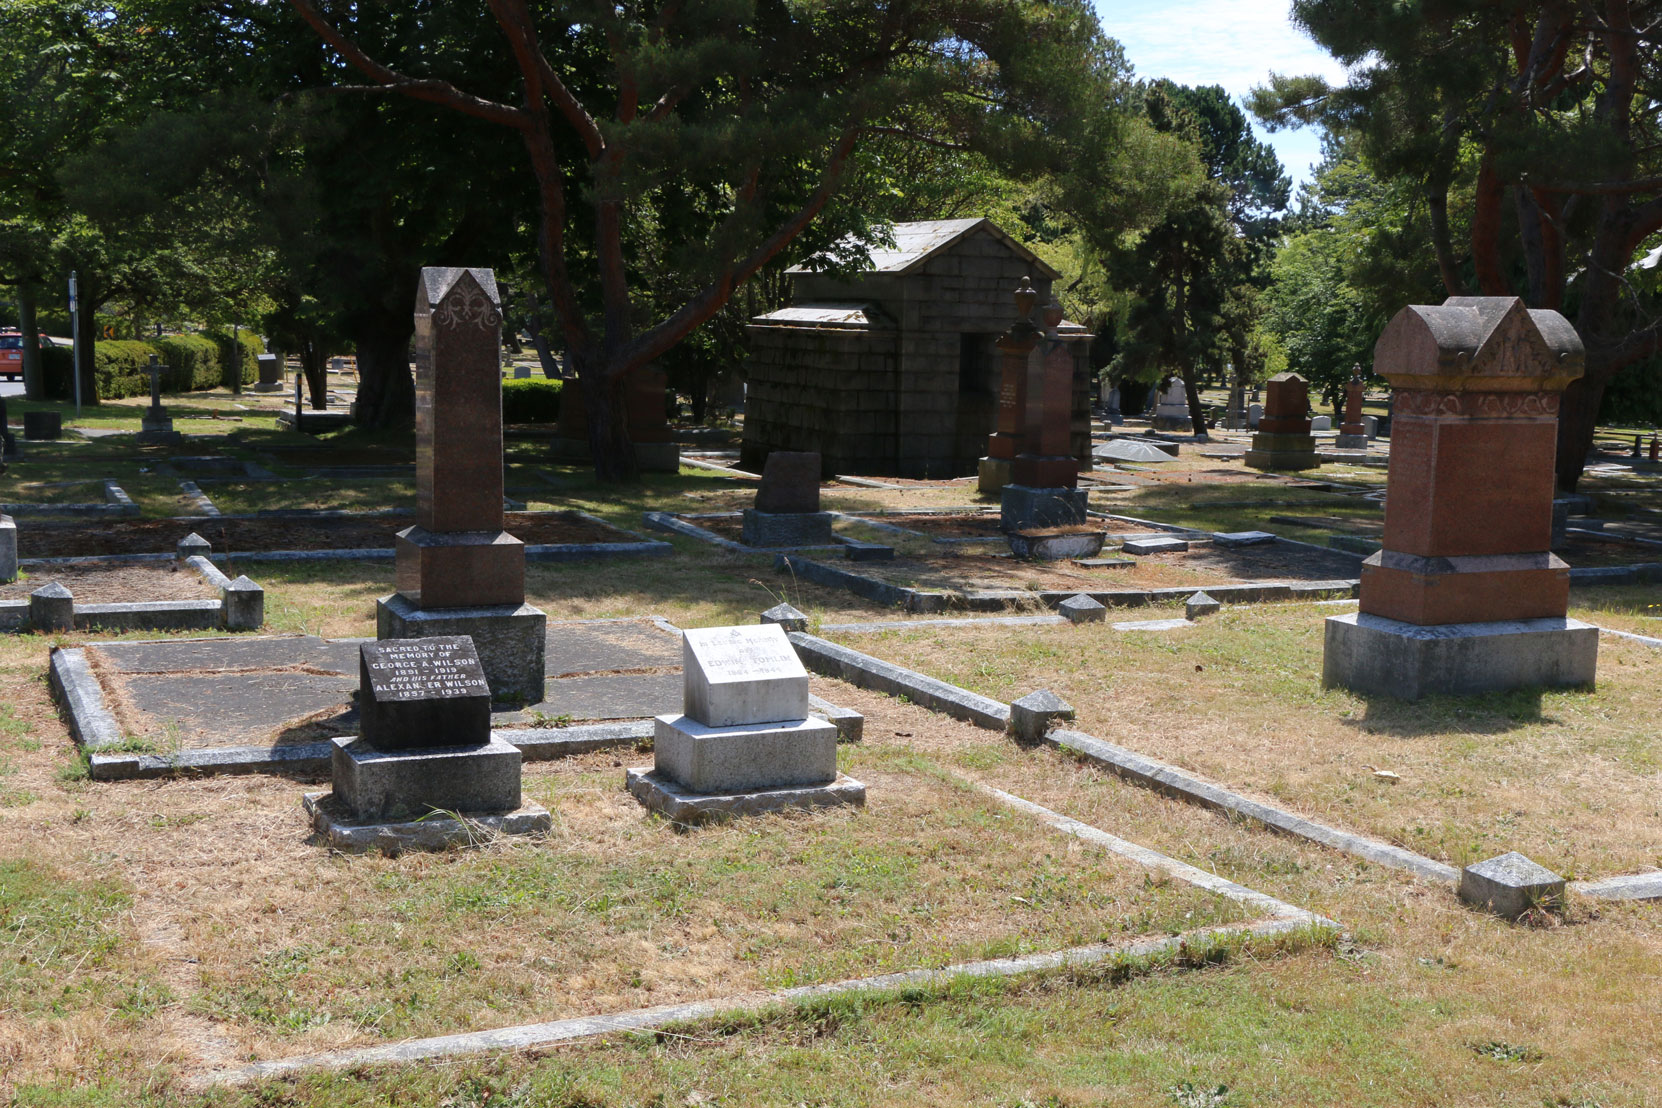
x=154 y=934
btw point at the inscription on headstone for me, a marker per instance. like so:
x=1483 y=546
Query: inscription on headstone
x=742 y=675
x=423 y=692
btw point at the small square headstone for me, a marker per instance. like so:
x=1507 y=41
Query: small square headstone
x=740 y=675
x=1201 y=604
x=1082 y=609
x=1509 y=885
x=417 y=693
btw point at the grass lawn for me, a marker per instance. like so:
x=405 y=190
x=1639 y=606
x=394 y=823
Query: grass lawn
x=150 y=931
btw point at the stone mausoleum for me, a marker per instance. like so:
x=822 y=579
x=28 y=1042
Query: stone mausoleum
x=894 y=371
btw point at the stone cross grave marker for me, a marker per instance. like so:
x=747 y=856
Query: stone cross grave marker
x=157 y=425
x=423 y=692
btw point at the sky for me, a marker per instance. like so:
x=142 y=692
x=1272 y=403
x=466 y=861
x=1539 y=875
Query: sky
x=1233 y=43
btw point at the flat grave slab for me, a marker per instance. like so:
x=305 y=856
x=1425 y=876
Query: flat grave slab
x=200 y=694
x=1155 y=545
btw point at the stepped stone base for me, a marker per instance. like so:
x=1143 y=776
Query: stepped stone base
x=1372 y=654
x=337 y=828
x=686 y=808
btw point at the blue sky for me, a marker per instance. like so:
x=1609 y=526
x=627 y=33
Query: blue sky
x=1233 y=43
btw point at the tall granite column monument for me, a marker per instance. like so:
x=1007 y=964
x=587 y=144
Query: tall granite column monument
x=1015 y=351
x=1044 y=477
x=1283 y=439
x=1466 y=595
x=458 y=572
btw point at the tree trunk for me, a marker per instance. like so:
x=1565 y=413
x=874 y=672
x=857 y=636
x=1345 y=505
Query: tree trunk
x=34 y=383
x=1577 y=415
x=539 y=341
x=1197 y=414
x=608 y=416
x=386 y=387
x=88 y=337
x=314 y=366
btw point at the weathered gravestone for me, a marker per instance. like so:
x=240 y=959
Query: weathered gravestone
x=42 y=426
x=744 y=743
x=1015 y=352
x=1044 y=477
x=457 y=571
x=1283 y=439
x=157 y=425
x=1171 y=413
x=1466 y=595
x=425 y=746
x=787 y=503
x=271 y=373
x=8 y=549
x=1353 y=434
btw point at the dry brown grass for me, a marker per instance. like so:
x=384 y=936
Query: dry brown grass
x=1568 y=778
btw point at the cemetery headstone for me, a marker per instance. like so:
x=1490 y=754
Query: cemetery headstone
x=458 y=572
x=8 y=444
x=1466 y=595
x=425 y=746
x=1172 y=411
x=1115 y=416
x=8 y=549
x=52 y=608
x=1044 y=476
x=157 y=425
x=1283 y=439
x=271 y=373
x=42 y=426
x=1353 y=435
x=1321 y=423
x=744 y=742
x=1255 y=415
x=1015 y=351
x=787 y=503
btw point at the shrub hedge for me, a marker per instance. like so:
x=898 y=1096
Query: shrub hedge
x=193 y=361
x=530 y=400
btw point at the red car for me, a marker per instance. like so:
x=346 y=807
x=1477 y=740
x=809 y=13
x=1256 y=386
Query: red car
x=11 y=353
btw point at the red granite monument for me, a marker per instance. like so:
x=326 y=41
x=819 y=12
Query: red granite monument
x=1044 y=477
x=458 y=571
x=1466 y=594
x=1283 y=440
x=1015 y=350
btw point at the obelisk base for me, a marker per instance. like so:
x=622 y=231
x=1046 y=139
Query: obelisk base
x=157 y=427
x=1351 y=442
x=1371 y=654
x=992 y=474
x=510 y=638
x=1272 y=450
x=1023 y=507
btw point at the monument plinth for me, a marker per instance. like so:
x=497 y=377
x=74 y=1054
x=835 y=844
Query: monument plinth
x=1467 y=595
x=1044 y=477
x=787 y=503
x=1283 y=439
x=425 y=769
x=458 y=571
x=744 y=743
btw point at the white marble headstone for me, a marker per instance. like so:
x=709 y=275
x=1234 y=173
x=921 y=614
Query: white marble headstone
x=741 y=675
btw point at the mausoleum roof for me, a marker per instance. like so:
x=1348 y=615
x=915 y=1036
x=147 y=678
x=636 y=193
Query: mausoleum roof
x=843 y=317
x=916 y=243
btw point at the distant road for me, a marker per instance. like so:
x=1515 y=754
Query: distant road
x=11 y=388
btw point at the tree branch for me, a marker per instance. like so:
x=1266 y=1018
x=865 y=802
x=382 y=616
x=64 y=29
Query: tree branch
x=515 y=18
x=429 y=89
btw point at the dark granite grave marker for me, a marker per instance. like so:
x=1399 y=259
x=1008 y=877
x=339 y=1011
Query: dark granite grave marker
x=423 y=692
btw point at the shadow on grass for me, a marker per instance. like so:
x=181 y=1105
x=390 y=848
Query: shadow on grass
x=1492 y=713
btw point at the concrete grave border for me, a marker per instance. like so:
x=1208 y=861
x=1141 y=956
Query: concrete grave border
x=866 y=671
x=145 y=615
x=96 y=729
x=998 y=600
x=116 y=503
x=1282 y=919
x=538 y=552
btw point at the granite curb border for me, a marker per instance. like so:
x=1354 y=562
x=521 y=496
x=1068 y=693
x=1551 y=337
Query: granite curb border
x=142 y=615
x=998 y=600
x=90 y=722
x=1285 y=919
x=865 y=671
x=665 y=521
